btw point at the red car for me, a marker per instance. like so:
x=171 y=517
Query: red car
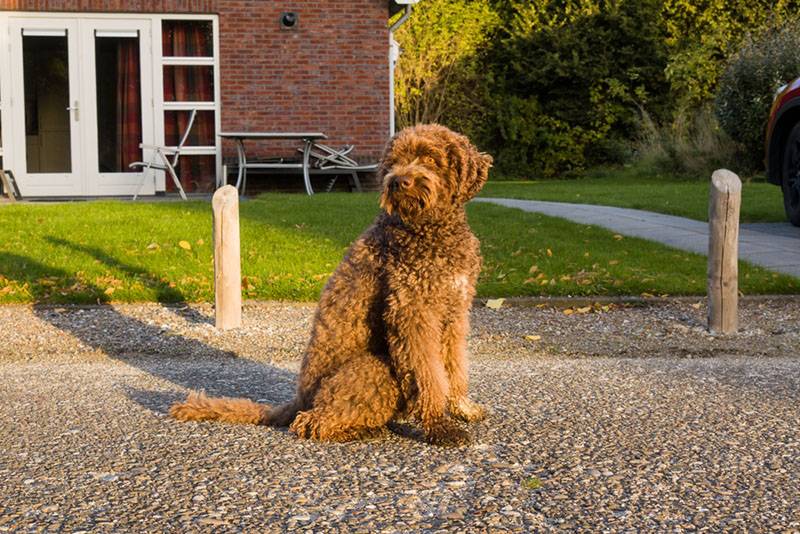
x=783 y=147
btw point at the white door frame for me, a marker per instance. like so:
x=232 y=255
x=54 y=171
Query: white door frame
x=152 y=111
x=116 y=183
x=41 y=184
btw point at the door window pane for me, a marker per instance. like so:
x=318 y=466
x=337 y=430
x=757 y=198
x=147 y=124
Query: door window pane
x=187 y=38
x=119 y=103
x=47 y=119
x=201 y=134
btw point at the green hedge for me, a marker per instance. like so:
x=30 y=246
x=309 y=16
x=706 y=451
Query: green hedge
x=552 y=86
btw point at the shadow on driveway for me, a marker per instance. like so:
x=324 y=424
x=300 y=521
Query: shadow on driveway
x=181 y=361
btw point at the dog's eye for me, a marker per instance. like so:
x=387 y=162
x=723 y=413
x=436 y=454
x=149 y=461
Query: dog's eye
x=427 y=160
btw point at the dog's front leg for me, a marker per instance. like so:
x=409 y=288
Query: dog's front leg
x=454 y=340
x=414 y=336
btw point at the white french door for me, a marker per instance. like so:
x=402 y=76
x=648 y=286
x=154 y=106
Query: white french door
x=119 y=103
x=81 y=98
x=45 y=100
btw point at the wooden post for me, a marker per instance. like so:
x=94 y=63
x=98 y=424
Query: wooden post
x=227 y=265
x=723 y=252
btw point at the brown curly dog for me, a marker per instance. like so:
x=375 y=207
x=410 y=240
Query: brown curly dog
x=389 y=336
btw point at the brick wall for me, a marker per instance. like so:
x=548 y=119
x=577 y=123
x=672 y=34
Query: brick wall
x=329 y=74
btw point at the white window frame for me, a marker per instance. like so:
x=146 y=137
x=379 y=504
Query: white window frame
x=159 y=61
x=156 y=77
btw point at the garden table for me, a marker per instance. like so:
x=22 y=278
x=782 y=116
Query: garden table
x=307 y=139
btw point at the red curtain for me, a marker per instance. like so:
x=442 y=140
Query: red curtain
x=129 y=111
x=189 y=84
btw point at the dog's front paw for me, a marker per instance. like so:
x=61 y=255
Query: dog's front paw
x=447 y=433
x=305 y=426
x=467 y=410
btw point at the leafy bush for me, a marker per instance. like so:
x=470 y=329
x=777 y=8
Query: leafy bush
x=700 y=37
x=553 y=86
x=692 y=145
x=437 y=71
x=747 y=87
x=564 y=83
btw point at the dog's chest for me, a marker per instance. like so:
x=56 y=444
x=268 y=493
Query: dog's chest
x=461 y=286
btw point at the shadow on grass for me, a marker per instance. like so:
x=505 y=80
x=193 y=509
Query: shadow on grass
x=151 y=349
x=164 y=292
x=338 y=217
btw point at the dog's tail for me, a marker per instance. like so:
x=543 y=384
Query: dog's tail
x=199 y=407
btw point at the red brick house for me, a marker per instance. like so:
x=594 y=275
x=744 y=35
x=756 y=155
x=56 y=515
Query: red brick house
x=83 y=82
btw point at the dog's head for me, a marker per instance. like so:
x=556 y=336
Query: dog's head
x=429 y=168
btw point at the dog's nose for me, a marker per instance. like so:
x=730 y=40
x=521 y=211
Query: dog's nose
x=402 y=182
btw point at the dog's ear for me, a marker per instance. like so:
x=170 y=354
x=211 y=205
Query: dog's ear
x=385 y=162
x=474 y=173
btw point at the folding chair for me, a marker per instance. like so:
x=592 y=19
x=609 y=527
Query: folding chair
x=10 y=188
x=329 y=160
x=161 y=152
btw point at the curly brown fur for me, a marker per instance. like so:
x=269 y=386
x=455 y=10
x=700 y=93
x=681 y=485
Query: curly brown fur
x=389 y=336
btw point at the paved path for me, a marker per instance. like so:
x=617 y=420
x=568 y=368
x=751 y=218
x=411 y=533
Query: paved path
x=629 y=435
x=775 y=246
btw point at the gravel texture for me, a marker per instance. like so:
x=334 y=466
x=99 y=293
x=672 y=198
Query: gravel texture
x=627 y=419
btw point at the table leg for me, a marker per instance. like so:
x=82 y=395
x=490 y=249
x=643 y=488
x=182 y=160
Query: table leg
x=306 y=172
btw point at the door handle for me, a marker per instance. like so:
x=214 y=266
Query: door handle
x=74 y=108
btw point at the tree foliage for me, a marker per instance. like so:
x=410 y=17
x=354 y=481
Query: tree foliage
x=747 y=87
x=436 y=72
x=550 y=86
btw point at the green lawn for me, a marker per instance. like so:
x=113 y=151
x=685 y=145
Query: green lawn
x=633 y=187
x=136 y=251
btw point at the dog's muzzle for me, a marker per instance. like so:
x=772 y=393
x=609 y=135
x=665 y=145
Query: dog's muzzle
x=400 y=183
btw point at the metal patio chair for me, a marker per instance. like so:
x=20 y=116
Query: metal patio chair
x=10 y=187
x=165 y=164
x=328 y=160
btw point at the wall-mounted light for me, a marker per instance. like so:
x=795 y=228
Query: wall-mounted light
x=289 y=20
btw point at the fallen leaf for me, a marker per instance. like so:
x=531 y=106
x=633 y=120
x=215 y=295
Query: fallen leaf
x=585 y=309
x=613 y=262
x=185 y=245
x=648 y=295
x=617 y=237
x=109 y=291
x=549 y=252
x=495 y=304
x=569 y=311
x=533 y=269
x=529 y=281
x=153 y=246
x=533 y=338
x=697 y=305
x=201 y=242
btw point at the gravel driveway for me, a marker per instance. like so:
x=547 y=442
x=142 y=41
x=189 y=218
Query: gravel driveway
x=630 y=418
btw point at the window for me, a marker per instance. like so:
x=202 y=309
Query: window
x=188 y=73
